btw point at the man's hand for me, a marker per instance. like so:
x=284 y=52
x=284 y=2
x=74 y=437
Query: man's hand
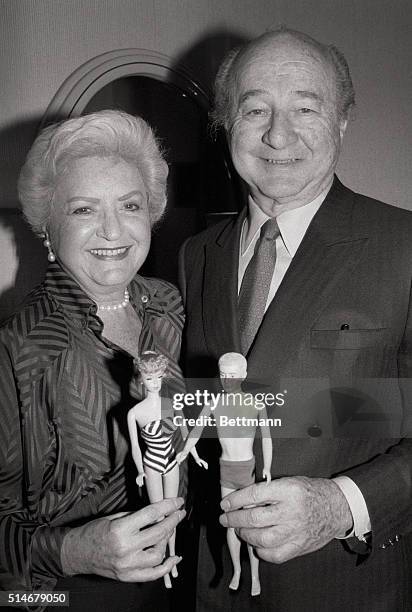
x=122 y=546
x=290 y=517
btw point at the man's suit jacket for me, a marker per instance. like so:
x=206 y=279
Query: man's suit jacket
x=343 y=315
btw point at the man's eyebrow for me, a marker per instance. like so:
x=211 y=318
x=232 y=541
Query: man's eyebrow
x=129 y=195
x=250 y=94
x=304 y=93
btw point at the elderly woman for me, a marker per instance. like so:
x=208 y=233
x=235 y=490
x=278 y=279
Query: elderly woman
x=92 y=187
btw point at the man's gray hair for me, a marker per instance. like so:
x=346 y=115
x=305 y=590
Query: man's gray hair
x=225 y=83
x=105 y=134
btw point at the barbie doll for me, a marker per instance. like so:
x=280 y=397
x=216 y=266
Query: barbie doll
x=153 y=416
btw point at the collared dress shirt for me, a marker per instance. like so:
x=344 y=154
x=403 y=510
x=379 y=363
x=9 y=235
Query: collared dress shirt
x=64 y=396
x=293 y=225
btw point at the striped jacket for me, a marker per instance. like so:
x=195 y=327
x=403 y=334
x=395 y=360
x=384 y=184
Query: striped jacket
x=64 y=397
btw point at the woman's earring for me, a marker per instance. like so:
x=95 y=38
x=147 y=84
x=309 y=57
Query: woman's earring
x=51 y=256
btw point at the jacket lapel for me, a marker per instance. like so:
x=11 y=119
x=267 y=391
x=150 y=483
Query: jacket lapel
x=220 y=290
x=331 y=246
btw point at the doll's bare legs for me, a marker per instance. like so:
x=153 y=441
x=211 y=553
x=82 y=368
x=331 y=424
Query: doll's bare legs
x=254 y=571
x=158 y=490
x=234 y=544
x=170 y=489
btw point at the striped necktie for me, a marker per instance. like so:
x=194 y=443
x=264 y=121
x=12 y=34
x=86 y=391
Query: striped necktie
x=256 y=282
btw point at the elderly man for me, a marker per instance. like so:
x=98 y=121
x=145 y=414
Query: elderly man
x=311 y=282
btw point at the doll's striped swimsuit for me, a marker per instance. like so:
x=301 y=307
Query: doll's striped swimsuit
x=160 y=454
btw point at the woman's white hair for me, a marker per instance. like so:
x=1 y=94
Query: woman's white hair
x=107 y=133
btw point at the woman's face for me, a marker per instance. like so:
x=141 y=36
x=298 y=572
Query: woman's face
x=152 y=381
x=99 y=226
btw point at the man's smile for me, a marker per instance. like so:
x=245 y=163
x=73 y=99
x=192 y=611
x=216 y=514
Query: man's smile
x=282 y=162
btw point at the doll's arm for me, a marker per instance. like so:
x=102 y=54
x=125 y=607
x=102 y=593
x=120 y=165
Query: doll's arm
x=267 y=447
x=134 y=441
x=189 y=447
x=192 y=439
x=200 y=462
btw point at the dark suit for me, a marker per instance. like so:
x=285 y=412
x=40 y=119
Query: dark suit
x=342 y=313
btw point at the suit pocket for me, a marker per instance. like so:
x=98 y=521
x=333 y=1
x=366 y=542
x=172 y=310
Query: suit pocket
x=346 y=339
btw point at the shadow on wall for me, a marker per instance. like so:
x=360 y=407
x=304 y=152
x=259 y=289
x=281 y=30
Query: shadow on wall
x=225 y=194
x=15 y=142
x=204 y=57
x=206 y=191
x=22 y=256
x=23 y=261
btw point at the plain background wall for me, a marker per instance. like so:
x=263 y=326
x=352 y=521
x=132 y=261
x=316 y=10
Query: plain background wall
x=43 y=41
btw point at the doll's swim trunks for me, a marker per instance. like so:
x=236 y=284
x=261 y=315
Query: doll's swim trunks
x=237 y=474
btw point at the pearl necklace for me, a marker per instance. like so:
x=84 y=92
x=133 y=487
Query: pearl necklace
x=122 y=304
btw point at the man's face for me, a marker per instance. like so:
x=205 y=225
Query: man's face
x=286 y=135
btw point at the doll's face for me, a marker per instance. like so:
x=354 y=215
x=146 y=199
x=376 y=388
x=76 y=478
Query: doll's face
x=152 y=381
x=231 y=376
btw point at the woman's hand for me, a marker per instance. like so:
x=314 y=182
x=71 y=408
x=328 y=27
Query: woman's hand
x=140 y=478
x=122 y=546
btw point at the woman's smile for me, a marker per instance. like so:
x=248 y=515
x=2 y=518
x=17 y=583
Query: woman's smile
x=111 y=254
